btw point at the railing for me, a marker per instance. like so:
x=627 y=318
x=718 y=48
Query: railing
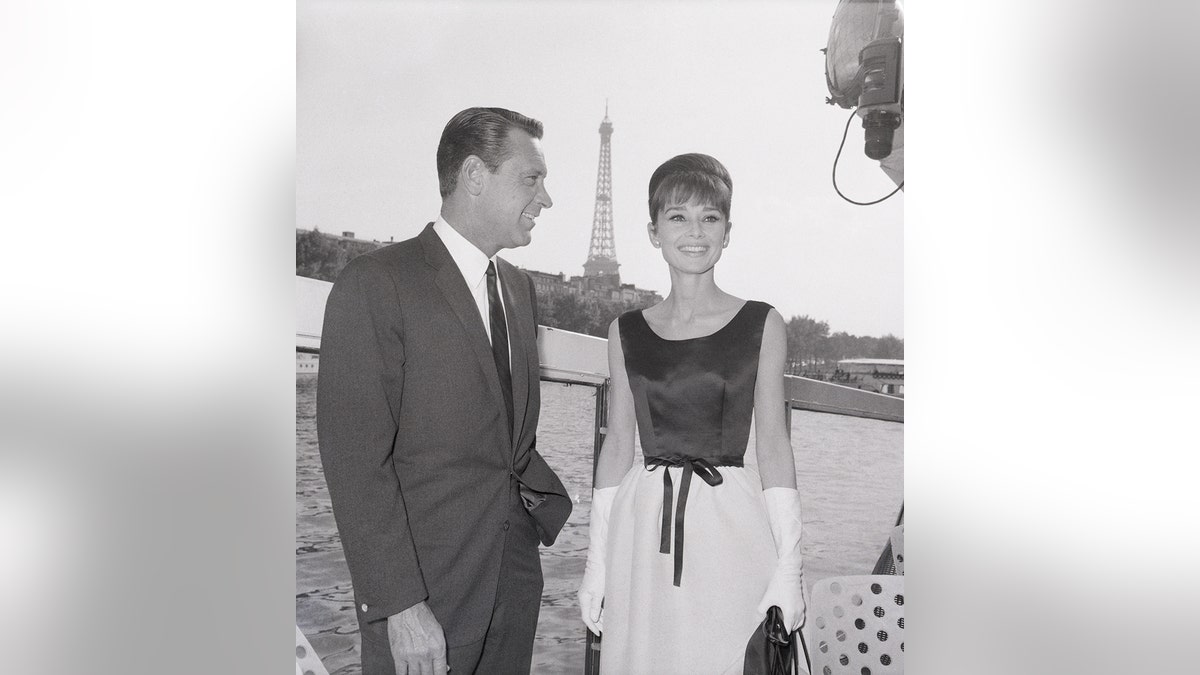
x=583 y=359
x=573 y=358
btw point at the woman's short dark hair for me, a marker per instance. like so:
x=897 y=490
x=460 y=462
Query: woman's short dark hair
x=692 y=176
x=482 y=132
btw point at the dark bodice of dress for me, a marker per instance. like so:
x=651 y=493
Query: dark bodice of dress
x=694 y=401
x=694 y=397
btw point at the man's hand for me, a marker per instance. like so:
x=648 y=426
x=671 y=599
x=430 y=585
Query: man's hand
x=418 y=643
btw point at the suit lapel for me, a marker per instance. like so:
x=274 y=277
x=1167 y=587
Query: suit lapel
x=449 y=280
x=520 y=322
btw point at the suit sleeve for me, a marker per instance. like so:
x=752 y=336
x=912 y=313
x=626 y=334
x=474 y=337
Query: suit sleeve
x=359 y=389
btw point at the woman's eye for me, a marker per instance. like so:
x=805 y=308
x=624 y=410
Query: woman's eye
x=676 y=218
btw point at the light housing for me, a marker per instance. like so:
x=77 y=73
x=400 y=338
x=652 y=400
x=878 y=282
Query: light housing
x=873 y=26
x=864 y=68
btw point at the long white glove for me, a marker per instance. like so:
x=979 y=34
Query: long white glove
x=591 y=589
x=786 y=589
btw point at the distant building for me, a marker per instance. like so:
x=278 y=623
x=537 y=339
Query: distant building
x=640 y=296
x=548 y=284
x=606 y=287
x=598 y=285
x=347 y=237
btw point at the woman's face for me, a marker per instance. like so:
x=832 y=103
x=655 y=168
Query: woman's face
x=691 y=235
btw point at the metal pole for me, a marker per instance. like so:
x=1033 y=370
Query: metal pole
x=591 y=659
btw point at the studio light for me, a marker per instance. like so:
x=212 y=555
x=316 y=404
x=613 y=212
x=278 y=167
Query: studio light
x=864 y=67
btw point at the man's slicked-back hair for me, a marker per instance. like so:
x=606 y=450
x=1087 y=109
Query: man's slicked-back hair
x=482 y=132
x=692 y=176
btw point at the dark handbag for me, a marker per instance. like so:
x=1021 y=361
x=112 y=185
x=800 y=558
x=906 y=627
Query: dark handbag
x=772 y=650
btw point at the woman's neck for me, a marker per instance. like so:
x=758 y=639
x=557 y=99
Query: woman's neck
x=694 y=295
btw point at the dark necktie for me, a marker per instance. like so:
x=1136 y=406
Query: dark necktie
x=500 y=341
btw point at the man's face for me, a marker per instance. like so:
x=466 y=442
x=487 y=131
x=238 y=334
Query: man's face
x=516 y=193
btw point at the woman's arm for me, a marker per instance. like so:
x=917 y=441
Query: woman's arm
x=616 y=454
x=778 y=470
x=776 y=464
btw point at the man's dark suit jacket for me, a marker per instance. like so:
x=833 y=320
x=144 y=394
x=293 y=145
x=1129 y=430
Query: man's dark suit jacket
x=414 y=435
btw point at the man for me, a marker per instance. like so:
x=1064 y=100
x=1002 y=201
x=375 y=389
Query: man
x=427 y=406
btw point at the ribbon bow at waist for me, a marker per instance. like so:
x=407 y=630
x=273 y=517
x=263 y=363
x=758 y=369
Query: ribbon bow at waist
x=707 y=470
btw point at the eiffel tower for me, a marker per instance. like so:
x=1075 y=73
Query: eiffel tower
x=602 y=254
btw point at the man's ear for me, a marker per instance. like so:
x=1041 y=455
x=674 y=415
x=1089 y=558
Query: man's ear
x=472 y=174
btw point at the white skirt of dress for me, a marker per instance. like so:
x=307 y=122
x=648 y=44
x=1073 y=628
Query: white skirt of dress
x=702 y=626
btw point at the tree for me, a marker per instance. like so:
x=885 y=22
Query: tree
x=888 y=347
x=545 y=310
x=841 y=346
x=320 y=256
x=310 y=253
x=806 y=339
x=571 y=313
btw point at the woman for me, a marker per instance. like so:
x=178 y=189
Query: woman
x=692 y=376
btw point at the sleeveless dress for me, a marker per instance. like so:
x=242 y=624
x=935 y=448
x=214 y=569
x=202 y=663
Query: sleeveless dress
x=690 y=551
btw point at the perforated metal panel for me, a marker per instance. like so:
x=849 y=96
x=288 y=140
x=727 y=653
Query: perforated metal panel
x=856 y=625
x=307 y=661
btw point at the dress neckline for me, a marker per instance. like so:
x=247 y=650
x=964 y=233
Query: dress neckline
x=642 y=315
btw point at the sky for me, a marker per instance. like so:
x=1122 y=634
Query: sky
x=744 y=82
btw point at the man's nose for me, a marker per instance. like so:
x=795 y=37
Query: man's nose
x=543 y=198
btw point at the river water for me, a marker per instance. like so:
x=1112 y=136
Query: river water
x=850 y=473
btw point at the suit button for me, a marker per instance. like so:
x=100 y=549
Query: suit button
x=506 y=524
x=364 y=607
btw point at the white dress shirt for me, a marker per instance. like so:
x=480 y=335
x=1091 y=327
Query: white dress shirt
x=472 y=264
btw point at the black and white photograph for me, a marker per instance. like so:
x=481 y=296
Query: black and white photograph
x=758 y=385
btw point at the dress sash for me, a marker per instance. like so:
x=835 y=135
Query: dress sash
x=707 y=470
